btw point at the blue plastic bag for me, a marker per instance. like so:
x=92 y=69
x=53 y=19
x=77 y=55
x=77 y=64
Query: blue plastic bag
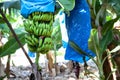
x=31 y=54
x=78 y=26
x=29 y=6
x=63 y=29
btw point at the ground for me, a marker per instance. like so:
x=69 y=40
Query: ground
x=21 y=68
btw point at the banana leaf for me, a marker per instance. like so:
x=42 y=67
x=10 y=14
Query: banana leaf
x=80 y=51
x=11 y=46
x=115 y=5
x=10 y=4
x=106 y=39
x=76 y=48
x=97 y=45
x=93 y=42
x=108 y=26
x=67 y=5
x=9 y=17
x=56 y=34
x=4 y=28
x=97 y=6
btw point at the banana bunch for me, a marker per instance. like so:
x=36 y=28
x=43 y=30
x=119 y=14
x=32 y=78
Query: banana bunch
x=44 y=45
x=28 y=26
x=42 y=29
x=39 y=30
x=41 y=16
x=31 y=39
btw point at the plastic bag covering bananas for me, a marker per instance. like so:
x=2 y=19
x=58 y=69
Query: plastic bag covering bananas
x=39 y=29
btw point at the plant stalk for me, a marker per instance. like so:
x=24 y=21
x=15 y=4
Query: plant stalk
x=37 y=61
x=55 y=57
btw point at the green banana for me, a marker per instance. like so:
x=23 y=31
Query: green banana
x=40 y=31
x=34 y=39
x=36 y=13
x=41 y=48
x=27 y=25
x=27 y=36
x=27 y=29
x=33 y=42
x=38 y=25
x=31 y=29
x=29 y=17
x=47 y=26
x=34 y=18
x=42 y=16
x=38 y=49
x=29 y=39
x=43 y=25
x=45 y=40
x=43 y=33
x=36 y=31
x=28 y=42
x=31 y=48
x=40 y=42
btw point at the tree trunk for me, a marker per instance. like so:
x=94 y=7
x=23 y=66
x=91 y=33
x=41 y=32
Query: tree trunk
x=116 y=58
x=106 y=66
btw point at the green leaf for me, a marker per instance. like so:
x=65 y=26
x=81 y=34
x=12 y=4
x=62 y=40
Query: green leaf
x=108 y=26
x=4 y=28
x=11 y=46
x=101 y=16
x=97 y=6
x=19 y=30
x=67 y=5
x=11 y=19
x=93 y=42
x=115 y=5
x=77 y=48
x=10 y=4
x=1 y=20
x=106 y=39
x=56 y=34
x=80 y=51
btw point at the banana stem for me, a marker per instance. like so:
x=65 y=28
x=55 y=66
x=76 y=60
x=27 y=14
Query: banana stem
x=55 y=51
x=37 y=61
x=100 y=68
x=55 y=56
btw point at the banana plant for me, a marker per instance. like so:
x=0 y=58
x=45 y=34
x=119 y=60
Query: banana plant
x=103 y=33
x=9 y=16
x=67 y=5
x=13 y=9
